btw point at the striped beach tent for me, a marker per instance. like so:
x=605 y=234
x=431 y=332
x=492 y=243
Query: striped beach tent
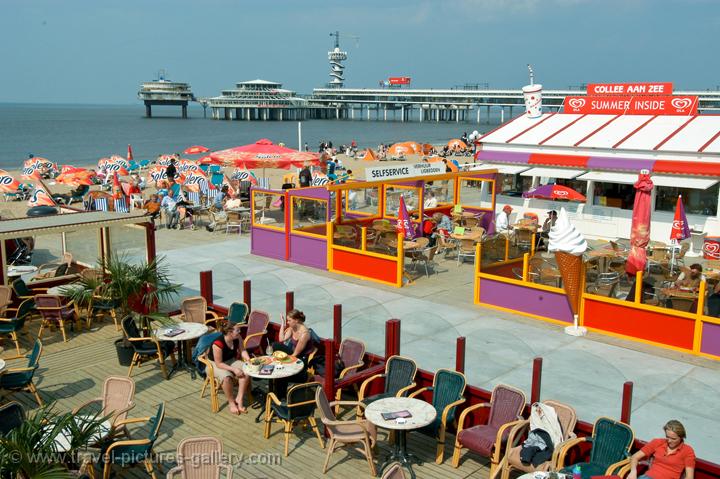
x=101 y=204
x=121 y=205
x=194 y=197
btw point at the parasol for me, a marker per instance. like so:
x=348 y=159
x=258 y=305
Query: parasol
x=264 y=154
x=196 y=150
x=8 y=184
x=640 y=232
x=554 y=192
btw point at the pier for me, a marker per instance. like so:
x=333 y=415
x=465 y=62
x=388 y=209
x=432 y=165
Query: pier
x=162 y=92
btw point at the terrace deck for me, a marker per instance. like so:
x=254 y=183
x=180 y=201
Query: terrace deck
x=73 y=372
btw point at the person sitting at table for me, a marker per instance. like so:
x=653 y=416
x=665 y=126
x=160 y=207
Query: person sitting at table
x=690 y=279
x=152 y=206
x=502 y=221
x=714 y=301
x=647 y=294
x=296 y=340
x=221 y=197
x=671 y=456
x=233 y=202
x=443 y=227
x=430 y=201
x=547 y=224
x=228 y=355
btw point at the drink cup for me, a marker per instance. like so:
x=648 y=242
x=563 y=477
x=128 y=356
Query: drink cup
x=533 y=100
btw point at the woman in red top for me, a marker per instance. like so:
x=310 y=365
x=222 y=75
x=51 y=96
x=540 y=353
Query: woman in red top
x=228 y=355
x=670 y=456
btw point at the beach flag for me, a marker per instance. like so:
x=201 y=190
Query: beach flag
x=680 y=229
x=404 y=225
x=40 y=196
x=130 y=155
x=8 y=184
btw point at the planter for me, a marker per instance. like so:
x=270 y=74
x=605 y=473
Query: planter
x=125 y=352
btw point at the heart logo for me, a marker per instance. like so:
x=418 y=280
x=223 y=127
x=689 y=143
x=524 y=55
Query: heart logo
x=576 y=103
x=678 y=224
x=681 y=103
x=561 y=193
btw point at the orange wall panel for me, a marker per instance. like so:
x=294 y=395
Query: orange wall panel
x=367 y=266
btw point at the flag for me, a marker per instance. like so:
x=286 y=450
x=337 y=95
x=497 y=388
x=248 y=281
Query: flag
x=680 y=229
x=129 y=155
x=404 y=225
x=40 y=196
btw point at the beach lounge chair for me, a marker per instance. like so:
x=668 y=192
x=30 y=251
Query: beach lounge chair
x=121 y=205
x=447 y=393
x=100 y=204
x=299 y=407
x=21 y=379
x=201 y=458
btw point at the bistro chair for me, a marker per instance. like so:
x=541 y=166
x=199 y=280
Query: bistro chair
x=21 y=290
x=134 y=451
x=506 y=405
x=13 y=320
x=609 y=451
x=345 y=432
x=194 y=310
x=255 y=331
x=394 y=471
x=201 y=458
x=147 y=348
x=12 y=415
x=21 y=379
x=466 y=249
x=6 y=293
x=237 y=314
x=54 y=312
x=399 y=376
x=298 y=407
x=567 y=417
x=117 y=398
x=103 y=304
x=55 y=268
x=351 y=354
x=210 y=382
x=447 y=393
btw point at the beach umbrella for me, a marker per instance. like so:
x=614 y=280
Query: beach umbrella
x=456 y=144
x=404 y=225
x=554 y=192
x=193 y=180
x=8 y=184
x=157 y=174
x=226 y=182
x=680 y=229
x=208 y=160
x=40 y=196
x=242 y=174
x=264 y=154
x=117 y=191
x=640 y=232
x=196 y=150
x=164 y=160
x=427 y=148
x=187 y=165
x=73 y=176
x=369 y=155
x=400 y=149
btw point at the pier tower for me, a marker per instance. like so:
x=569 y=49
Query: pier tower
x=165 y=92
x=336 y=57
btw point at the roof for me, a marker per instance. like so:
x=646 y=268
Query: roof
x=258 y=82
x=15 y=228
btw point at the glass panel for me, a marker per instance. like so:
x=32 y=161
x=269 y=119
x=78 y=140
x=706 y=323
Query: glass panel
x=309 y=215
x=476 y=192
x=514 y=185
x=696 y=202
x=47 y=248
x=269 y=209
x=615 y=195
x=128 y=242
x=392 y=200
x=438 y=193
x=84 y=246
x=362 y=201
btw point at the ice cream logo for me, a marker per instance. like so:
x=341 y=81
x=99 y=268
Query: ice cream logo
x=678 y=224
x=561 y=193
x=712 y=249
x=576 y=103
x=681 y=103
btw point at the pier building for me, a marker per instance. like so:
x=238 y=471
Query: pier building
x=164 y=92
x=258 y=100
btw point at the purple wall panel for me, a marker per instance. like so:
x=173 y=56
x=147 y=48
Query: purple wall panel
x=617 y=163
x=710 y=343
x=268 y=243
x=308 y=251
x=527 y=300
x=503 y=156
x=312 y=192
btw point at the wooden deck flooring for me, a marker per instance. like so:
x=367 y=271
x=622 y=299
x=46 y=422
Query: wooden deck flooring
x=73 y=372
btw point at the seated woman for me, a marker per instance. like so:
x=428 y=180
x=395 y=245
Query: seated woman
x=228 y=356
x=233 y=202
x=670 y=455
x=295 y=339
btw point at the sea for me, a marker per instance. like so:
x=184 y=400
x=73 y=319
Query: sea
x=81 y=134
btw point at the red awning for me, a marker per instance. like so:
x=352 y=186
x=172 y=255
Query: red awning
x=570 y=161
x=686 y=167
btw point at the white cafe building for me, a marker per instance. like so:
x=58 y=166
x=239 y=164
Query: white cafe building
x=600 y=155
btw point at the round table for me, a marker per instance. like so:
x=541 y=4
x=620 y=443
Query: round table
x=422 y=414
x=15 y=272
x=283 y=369
x=191 y=331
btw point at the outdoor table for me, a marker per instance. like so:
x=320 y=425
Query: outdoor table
x=283 y=369
x=64 y=438
x=421 y=414
x=15 y=272
x=688 y=298
x=474 y=234
x=192 y=331
x=604 y=255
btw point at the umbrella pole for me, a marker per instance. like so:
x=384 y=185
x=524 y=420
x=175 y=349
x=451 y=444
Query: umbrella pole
x=672 y=257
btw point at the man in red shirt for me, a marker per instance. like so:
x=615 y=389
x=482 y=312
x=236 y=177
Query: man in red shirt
x=670 y=456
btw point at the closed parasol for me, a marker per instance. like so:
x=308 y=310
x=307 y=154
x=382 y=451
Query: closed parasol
x=640 y=233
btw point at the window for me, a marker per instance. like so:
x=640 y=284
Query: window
x=309 y=215
x=442 y=191
x=128 y=243
x=410 y=194
x=514 y=185
x=614 y=195
x=269 y=209
x=696 y=202
x=361 y=201
x=578 y=185
x=477 y=193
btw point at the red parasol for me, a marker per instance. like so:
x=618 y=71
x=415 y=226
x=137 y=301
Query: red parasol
x=117 y=191
x=73 y=176
x=208 y=160
x=554 y=192
x=196 y=150
x=130 y=154
x=8 y=184
x=640 y=233
x=41 y=196
x=264 y=154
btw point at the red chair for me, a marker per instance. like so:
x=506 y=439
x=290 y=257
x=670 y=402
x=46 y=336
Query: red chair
x=54 y=311
x=255 y=331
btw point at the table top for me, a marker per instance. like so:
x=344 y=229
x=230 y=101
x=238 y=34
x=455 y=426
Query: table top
x=282 y=369
x=192 y=331
x=604 y=253
x=422 y=413
x=475 y=235
x=62 y=440
x=20 y=270
x=240 y=209
x=679 y=293
x=466 y=214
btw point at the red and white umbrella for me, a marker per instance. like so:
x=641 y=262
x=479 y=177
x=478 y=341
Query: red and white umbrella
x=73 y=176
x=8 y=184
x=264 y=154
x=196 y=150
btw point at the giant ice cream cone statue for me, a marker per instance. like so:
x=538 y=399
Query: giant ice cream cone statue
x=568 y=244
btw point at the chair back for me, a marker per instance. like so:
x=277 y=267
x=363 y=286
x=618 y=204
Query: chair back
x=394 y=471
x=12 y=415
x=257 y=323
x=301 y=401
x=194 y=308
x=471 y=222
x=506 y=404
x=352 y=352
x=21 y=288
x=200 y=457
x=155 y=423
x=611 y=442
x=237 y=313
x=567 y=417
x=25 y=308
x=5 y=298
x=448 y=387
x=467 y=246
x=130 y=328
x=49 y=306
x=326 y=411
x=118 y=394
x=399 y=373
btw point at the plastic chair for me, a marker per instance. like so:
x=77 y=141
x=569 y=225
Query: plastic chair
x=299 y=406
x=14 y=320
x=54 y=311
x=117 y=398
x=399 y=380
x=200 y=458
x=255 y=331
x=146 y=348
x=237 y=313
x=447 y=393
x=21 y=379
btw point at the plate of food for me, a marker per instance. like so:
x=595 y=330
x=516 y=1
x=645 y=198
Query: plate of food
x=282 y=357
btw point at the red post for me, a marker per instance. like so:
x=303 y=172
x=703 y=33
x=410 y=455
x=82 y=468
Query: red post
x=460 y=354
x=337 y=324
x=247 y=293
x=150 y=240
x=626 y=402
x=389 y=339
x=536 y=380
x=329 y=378
x=206 y=286
x=289 y=301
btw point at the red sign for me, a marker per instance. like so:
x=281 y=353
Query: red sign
x=399 y=80
x=632 y=105
x=630 y=89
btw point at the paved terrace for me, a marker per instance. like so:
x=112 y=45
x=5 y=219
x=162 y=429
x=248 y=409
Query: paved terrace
x=586 y=372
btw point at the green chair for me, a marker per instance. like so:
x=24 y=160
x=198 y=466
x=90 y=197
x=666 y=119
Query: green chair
x=14 y=320
x=21 y=379
x=399 y=379
x=447 y=393
x=238 y=313
x=297 y=408
x=22 y=292
x=130 y=452
x=609 y=451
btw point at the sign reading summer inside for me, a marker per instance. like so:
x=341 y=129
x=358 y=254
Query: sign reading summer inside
x=405 y=171
x=632 y=105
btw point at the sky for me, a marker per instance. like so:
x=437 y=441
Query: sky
x=99 y=51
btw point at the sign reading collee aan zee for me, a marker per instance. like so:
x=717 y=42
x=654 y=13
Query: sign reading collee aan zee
x=374 y=173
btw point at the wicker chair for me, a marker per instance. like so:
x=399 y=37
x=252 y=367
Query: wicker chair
x=255 y=331
x=194 y=310
x=299 y=407
x=13 y=320
x=5 y=298
x=147 y=348
x=200 y=458
x=394 y=471
x=352 y=352
x=54 y=312
x=117 y=399
x=399 y=376
x=21 y=379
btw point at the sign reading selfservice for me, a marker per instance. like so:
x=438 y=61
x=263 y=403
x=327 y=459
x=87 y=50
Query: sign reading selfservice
x=376 y=173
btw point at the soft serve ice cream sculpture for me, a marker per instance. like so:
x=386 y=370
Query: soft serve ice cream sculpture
x=568 y=245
